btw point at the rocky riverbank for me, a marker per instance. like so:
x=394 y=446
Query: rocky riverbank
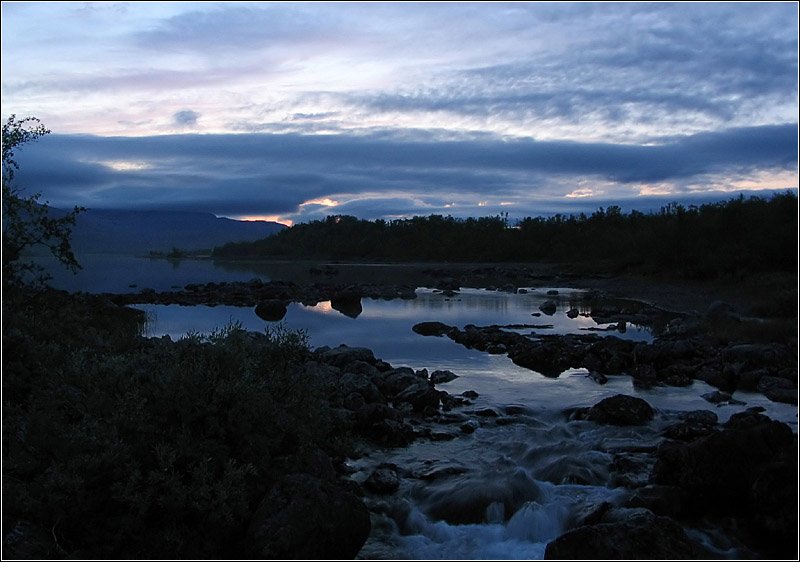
x=738 y=477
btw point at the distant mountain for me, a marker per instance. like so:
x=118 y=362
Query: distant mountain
x=100 y=231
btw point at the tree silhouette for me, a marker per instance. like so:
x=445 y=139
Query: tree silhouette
x=26 y=221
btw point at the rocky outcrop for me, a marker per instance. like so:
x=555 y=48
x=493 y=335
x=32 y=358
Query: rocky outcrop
x=304 y=517
x=635 y=534
x=747 y=471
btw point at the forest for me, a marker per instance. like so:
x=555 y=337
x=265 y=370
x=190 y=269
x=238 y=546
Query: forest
x=732 y=237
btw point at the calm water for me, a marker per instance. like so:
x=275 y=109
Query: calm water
x=537 y=455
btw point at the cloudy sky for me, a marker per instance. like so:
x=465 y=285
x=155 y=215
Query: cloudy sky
x=293 y=111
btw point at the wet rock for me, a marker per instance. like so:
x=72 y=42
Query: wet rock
x=572 y=313
x=778 y=389
x=487 y=413
x=548 y=307
x=619 y=410
x=469 y=427
x=718 y=397
x=431 y=328
x=302 y=506
x=343 y=355
x=441 y=436
x=383 y=480
x=661 y=500
x=471 y=394
x=465 y=499
x=442 y=376
x=716 y=473
x=348 y=302
x=639 y=536
x=271 y=310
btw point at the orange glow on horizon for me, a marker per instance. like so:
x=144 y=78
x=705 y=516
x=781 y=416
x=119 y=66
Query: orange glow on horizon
x=269 y=218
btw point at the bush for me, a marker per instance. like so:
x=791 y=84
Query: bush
x=148 y=448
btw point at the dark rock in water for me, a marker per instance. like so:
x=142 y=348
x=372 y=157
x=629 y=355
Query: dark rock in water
x=471 y=394
x=778 y=389
x=661 y=500
x=719 y=397
x=552 y=292
x=302 y=506
x=464 y=499
x=383 y=480
x=716 y=473
x=620 y=410
x=271 y=310
x=431 y=328
x=775 y=518
x=347 y=302
x=469 y=426
x=599 y=378
x=641 y=536
x=442 y=376
x=572 y=313
x=548 y=307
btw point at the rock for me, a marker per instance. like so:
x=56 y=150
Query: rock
x=778 y=389
x=431 y=328
x=552 y=292
x=302 y=506
x=716 y=473
x=465 y=499
x=348 y=302
x=720 y=311
x=471 y=394
x=469 y=427
x=661 y=500
x=343 y=355
x=27 y=541
x=620 y=410
x=271 y=310
x=420 y=398
x=548 y=307
x=442 y=376
x=775 y=518
x=383 y=480
x=572 y=313
x=718 y=397
x=640 y=536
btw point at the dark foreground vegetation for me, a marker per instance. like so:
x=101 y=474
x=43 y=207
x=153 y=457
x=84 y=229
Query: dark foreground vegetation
x=116 y=446
x=733 y=237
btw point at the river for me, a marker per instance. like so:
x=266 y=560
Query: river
x=501 y=492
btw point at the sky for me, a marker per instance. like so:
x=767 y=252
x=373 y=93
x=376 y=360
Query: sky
x=294 y=111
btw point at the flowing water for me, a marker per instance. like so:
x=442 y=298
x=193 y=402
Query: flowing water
x=520 y=479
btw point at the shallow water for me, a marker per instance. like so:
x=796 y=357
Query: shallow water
x=502 y=492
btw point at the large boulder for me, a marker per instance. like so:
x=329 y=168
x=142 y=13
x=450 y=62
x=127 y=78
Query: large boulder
x=271 y=310
x=638 y=536
x=620 y=409
x=716 y=473
x=304 y=517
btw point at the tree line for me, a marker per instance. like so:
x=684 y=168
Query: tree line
x=737 y=236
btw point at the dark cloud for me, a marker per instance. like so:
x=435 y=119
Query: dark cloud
x=275 y=174
x=186 y=118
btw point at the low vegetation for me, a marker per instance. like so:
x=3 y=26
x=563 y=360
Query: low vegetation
x=116 y=446
x=734 y=238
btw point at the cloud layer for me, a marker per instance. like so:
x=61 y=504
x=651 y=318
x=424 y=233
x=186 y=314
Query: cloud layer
x=272 y=174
